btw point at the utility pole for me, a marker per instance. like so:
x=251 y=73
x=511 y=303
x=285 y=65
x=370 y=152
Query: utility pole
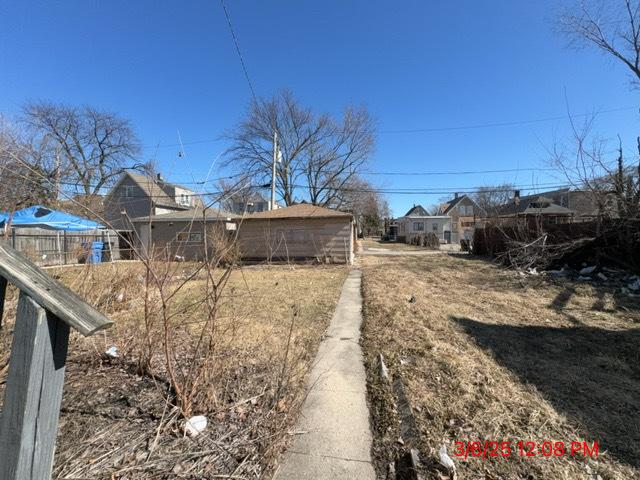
x=273 y=170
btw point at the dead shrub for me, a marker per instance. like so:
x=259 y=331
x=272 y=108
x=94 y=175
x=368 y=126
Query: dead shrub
x=431 y=240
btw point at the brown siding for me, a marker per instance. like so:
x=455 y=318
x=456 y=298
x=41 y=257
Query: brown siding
x=164 y=239
x=324 y=239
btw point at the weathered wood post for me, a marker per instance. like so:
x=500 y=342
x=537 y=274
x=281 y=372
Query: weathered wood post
x=46 y=311
x=3 y=292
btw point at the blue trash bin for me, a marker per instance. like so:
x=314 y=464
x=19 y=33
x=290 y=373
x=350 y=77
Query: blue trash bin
x=96 y=252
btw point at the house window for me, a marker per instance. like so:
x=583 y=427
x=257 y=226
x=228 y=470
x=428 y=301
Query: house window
x=469 y=209
x=185 y=199
x=418 y=226
x=128 y=191
x=191 y=237
x=435 y=227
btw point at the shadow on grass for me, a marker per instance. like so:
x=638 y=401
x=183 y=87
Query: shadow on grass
x=589 y=374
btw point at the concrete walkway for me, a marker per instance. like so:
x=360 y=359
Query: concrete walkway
x=333 y=438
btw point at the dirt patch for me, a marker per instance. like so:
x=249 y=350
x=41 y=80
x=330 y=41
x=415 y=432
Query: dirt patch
x=487 y=355
x=118 y=422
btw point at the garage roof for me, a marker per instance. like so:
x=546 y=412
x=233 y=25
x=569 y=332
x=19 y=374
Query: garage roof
x=301 y=210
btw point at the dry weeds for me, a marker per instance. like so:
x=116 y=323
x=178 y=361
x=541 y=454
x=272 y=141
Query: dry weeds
x=376 y=243
x=117 y=422
x=486 y=355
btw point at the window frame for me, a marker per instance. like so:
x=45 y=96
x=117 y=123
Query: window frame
x=185 y=199
x=417 y=229
x=189 y=237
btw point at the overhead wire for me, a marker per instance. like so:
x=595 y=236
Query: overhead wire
x=432 y=129
x=503 y=124
x=239 y=52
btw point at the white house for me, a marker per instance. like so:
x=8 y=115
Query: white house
x=417 y=221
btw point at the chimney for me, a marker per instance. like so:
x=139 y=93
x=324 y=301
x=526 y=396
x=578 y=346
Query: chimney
x=516 y=197
x=456 y=195
x=159 y=176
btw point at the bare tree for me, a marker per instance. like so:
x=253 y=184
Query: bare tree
x=626 y=183
x=489 y=198
x=318 y=155
x=368 y=206
x=94 y=146
x=612 y=26
x=232 y=193
x=25 y=170
x=589 y=166
x=614 y=187
x=339 y=154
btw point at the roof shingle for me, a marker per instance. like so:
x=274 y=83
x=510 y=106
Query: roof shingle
x=301 y=210
x=193 y=214
x=151 y=188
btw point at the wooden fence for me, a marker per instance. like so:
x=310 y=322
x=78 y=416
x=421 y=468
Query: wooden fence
x=46 y=312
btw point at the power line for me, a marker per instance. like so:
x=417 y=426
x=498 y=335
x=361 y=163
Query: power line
x=422 y=130
x=235 y=41
x=503 y=124
x=507 y=170
x=195 y=142
x=399 y=191
x=467 y=172
x=444 y=172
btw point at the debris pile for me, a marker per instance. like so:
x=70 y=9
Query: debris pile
x=626 y=283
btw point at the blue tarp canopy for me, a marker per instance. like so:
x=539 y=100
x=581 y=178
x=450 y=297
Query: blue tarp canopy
x=43 y=217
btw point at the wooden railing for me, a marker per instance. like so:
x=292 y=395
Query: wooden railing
x=46 y=312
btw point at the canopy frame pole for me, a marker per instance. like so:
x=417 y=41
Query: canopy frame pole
x=110 y=249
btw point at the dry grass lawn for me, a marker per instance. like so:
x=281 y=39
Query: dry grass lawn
x=377 y=244
x=117 y=423
x=487 y=355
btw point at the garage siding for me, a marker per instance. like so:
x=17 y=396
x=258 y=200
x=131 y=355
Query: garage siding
x=164 y=239
x=323 y=239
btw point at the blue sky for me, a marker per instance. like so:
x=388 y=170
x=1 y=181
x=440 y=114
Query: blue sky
x=172 y=66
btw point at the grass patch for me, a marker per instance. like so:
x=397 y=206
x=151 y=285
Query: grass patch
x=376 y=243
x=487 y=355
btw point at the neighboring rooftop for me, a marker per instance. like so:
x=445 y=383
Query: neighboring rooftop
x=417 y=211
x=300 y=210
x=446 y=207
x=532 y=205
x=153 y=188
